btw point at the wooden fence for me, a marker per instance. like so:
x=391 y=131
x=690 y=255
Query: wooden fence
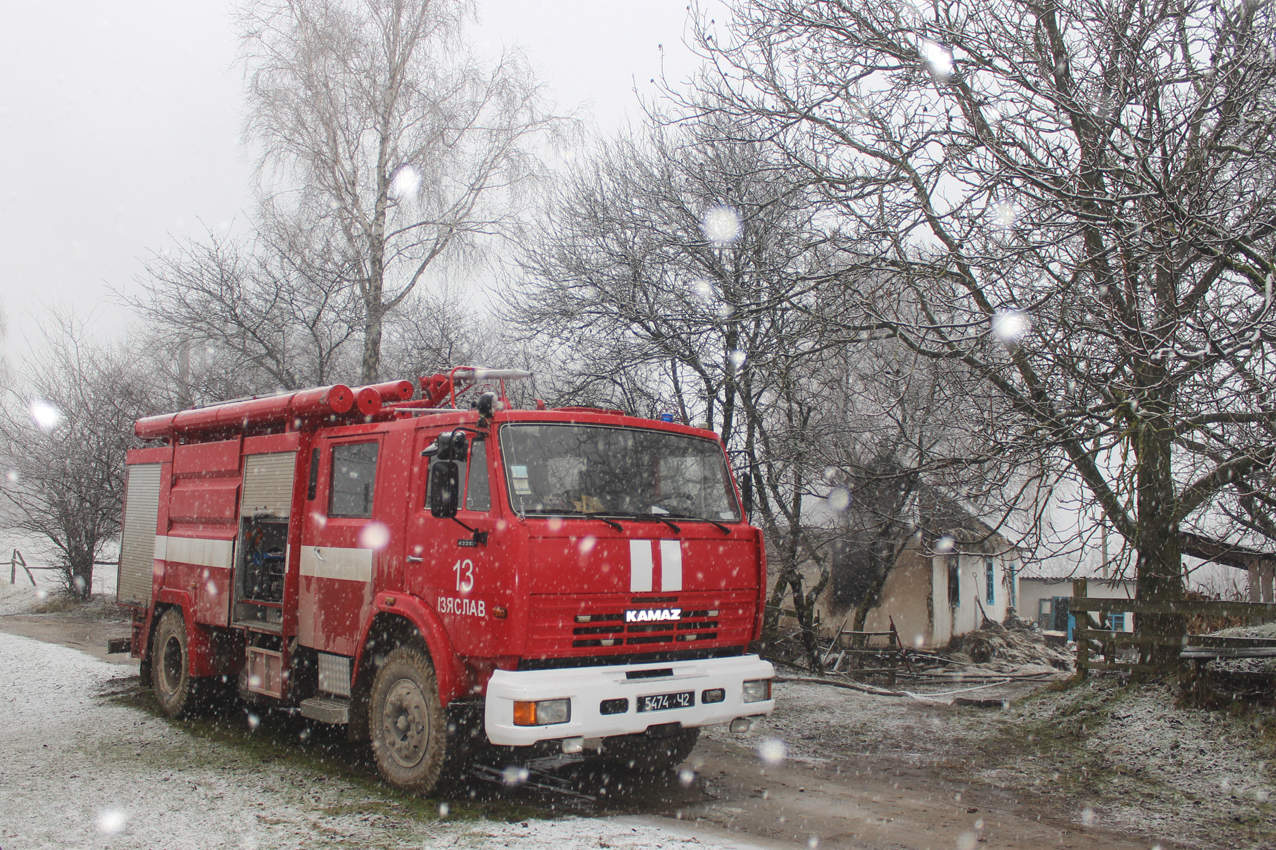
x=16 y=560
x=1121 y=651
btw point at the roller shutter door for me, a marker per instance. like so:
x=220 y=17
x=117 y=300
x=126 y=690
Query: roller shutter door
x=137 y=543
x=268 y=484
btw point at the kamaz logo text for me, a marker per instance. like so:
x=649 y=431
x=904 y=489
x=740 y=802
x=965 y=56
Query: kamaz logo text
x=653 y=615
x=643 y=562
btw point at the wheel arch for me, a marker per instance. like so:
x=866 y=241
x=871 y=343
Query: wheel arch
x=402 y=621
x=198 y=640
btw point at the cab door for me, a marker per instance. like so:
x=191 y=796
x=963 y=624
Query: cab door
x=341 y=542
x=450 y=564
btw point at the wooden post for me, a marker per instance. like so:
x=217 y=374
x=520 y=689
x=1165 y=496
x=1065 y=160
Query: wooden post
x=1079 y=630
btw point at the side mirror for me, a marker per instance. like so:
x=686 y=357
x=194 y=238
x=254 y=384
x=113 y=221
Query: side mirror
x=445 y=488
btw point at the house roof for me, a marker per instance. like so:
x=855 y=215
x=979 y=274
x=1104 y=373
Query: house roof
x=940 y=516
x=1067 y=578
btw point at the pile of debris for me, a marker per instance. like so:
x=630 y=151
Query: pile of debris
x=1008 y=647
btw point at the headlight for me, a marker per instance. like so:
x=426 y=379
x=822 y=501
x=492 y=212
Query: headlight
x=756 y=690
x=545 y=712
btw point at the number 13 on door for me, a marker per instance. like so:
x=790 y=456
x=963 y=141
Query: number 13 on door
x=464 y=570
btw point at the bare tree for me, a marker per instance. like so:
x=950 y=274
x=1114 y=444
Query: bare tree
x=396 y=141
x=267 y=315
x=668 y=278
x=1074 y=201
x=435 y=329
x=64 y=435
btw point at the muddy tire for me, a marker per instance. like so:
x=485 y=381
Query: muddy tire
x=406 y=721
x=176 y=690
x=647 y=754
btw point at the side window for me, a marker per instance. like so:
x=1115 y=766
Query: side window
x=354 y=477
x=954 y=581
x=478 y=496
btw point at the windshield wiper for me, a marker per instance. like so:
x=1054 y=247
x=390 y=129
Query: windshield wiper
x=661 y=518
x=598 y=515
x=648 y=517
x=694 y=518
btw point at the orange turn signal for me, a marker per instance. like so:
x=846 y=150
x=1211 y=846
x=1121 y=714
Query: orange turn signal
x=524 y=713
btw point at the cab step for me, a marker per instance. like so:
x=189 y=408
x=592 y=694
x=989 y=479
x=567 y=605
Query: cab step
x=326 y=709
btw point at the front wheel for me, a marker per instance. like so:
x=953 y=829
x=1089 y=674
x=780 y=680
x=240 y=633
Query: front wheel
x=406 y=721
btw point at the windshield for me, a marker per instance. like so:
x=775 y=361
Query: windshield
x=566 y=469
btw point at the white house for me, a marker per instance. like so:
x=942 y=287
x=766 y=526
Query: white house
x=940 y=588
x=1047 y=599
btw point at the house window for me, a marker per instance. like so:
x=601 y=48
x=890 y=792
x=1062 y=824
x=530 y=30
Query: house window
x=954 y=581
x=1116 y=622
x=354 y=477
x=990 y=582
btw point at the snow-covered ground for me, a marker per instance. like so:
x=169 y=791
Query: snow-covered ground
x=80 y=769
x=1128 y=757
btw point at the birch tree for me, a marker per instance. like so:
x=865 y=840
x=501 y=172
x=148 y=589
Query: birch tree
x=375 y=123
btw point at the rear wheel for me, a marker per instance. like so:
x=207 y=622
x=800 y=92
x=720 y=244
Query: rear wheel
x=175 y=688
x=406 y=721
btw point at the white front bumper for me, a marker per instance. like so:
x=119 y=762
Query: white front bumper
x=587 y=687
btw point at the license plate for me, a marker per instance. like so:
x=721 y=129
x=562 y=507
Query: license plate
x=660 y=702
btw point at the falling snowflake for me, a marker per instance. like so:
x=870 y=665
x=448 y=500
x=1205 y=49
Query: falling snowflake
x=736 y=358
x=839 y=499
x=720 y=225
x=772 y=751
x=405 y=182
x=945 y=545
x=587 y=544
x=938 y=59
x=111 y=821
x=515 y=775
x=374 y=536
x=1004 y=215
x=46 y=416
x=1010 y=326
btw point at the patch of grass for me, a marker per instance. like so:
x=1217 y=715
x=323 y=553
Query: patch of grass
x=58 y=602
x=244 y=735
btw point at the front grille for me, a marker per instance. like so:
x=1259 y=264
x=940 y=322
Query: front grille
x=691 y=626
x=598 y=623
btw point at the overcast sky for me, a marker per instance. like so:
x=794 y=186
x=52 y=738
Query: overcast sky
x=122 y=126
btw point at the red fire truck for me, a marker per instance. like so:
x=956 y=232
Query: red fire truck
x=567 y=577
